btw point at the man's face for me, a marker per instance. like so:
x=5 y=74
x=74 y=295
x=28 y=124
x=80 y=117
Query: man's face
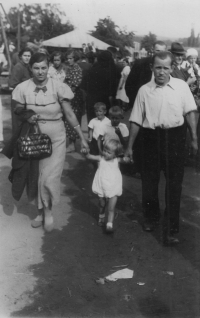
x=178 y=58
x=159 y=48
x=162 y=70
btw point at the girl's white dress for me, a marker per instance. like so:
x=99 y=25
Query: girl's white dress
x=108 y=179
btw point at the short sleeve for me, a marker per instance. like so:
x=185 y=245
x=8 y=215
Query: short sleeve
x=124 y=130
x=138 y=111
x=189 y=102
x=91 y=124
x=64 y=92
x=18 y=95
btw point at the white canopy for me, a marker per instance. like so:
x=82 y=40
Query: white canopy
x=75 y=39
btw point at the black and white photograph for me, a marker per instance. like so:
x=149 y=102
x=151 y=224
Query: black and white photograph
x=100 y=159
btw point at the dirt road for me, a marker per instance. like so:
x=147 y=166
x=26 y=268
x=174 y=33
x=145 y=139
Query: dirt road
x=54 y=274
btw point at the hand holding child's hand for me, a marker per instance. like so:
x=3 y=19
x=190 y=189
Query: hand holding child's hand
x=84 y=151
x=127 y=159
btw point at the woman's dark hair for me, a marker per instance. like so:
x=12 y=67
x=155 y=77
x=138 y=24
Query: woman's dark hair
x=105 y=59
x=74 y=53
x=57 y=53
x=37 y=58
x=26 y=49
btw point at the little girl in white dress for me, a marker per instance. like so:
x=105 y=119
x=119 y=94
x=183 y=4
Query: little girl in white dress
x=107 y=183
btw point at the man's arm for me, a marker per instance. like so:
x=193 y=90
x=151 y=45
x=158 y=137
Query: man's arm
x=191 y=120
x=134 y=129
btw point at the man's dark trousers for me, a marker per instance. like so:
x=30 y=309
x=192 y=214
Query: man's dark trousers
x=163 y=149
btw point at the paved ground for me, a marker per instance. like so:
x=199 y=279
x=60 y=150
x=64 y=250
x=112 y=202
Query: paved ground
x=53 y=275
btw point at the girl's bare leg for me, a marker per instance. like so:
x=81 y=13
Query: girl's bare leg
x=102 y=207
x=48 y=220
x=111 y=213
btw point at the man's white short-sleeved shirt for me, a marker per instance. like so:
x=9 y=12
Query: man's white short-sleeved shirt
x=162 y=106
x=97 y=125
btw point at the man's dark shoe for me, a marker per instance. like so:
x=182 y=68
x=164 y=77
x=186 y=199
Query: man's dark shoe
x=148 y=226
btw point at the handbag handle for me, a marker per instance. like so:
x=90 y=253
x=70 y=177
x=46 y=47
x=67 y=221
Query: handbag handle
x=36 y=127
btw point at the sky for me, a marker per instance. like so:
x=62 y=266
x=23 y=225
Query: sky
x=166 y=18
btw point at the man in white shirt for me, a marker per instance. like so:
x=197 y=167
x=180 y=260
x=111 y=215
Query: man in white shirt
x=160 y=109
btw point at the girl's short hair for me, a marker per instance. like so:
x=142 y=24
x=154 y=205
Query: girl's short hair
x=37 y=58
x=56 y=53
x=116 y=111
x=99 y=105
x=26 y=49
x=74 y=53
x=114 y=145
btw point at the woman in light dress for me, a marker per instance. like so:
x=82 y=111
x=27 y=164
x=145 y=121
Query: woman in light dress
x=121 y=93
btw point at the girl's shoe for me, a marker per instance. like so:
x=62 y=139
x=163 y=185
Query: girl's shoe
x=48 y=223
x=109 y=228
x=101 y=220
x=38 y=221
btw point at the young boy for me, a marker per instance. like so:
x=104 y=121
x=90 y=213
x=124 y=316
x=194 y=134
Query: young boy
x=114 y=129
x=95 y=126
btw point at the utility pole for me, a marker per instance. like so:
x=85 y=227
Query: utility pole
x=18 y=30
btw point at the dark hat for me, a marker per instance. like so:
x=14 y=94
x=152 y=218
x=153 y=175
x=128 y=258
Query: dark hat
x=177 y=48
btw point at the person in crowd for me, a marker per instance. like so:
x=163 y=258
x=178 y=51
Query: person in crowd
x=107 y=183
x=94 y=127
x=190 y=64
x=3 y=60
x=56 y=70
x=20 y=73
x=114 y=129
x=92 y=47
x=99 y=83
x=139 y=75
x=178 y=54
x=163 y=142
x=84 y=65
x=85 y=49
x=42 y=100
x=91 y=57
x=121 y=94
x=73 y=79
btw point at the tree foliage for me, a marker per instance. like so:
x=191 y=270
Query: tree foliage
x=148 y=41
x=110 y=33
x=40 y=22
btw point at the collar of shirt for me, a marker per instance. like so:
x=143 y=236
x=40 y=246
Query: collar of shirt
x=154 y=85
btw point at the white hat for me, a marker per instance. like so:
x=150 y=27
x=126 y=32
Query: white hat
x=191 y=52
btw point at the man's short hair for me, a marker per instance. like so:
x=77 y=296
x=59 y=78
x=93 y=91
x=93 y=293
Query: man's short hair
x=116 y=111
x=100 y=105
x=162 y=55
x=159 y=43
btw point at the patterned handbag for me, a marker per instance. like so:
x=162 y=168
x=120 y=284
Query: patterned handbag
x=34 y=145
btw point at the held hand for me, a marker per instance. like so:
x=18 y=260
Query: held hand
x=33 y=119
x=84 y=147
x=129 y=154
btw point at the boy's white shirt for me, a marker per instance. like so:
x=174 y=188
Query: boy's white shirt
x=108 y=131
x=97 y=125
